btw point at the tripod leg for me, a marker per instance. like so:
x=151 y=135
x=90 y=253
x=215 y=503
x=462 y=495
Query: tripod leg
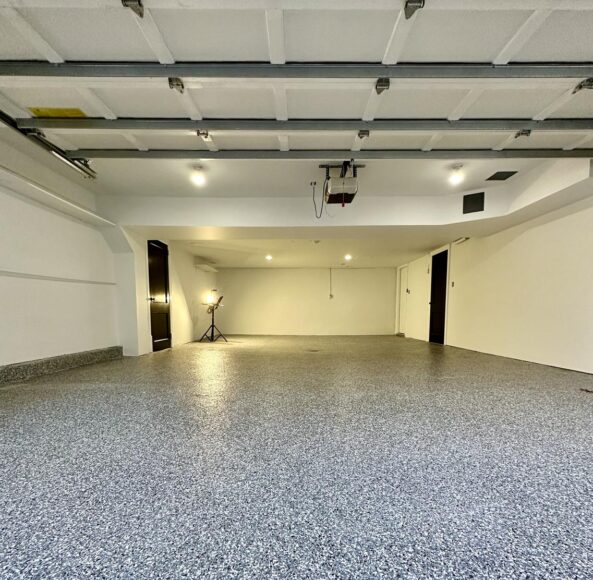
x=220 y=335
x=207 y=333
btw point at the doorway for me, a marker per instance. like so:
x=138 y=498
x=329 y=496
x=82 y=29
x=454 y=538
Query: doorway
x=438 y=297
x=160 y=300
x=403 y=300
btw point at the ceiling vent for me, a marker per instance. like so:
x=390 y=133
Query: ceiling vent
x=473 y=202
x=501 y=175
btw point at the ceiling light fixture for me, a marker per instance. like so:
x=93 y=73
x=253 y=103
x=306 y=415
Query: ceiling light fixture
x=347 y=257
x=269 y=257
x=456 y=176
x=197 y=177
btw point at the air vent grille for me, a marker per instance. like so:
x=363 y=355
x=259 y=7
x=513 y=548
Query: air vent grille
x=501 y=175
x=473 y=202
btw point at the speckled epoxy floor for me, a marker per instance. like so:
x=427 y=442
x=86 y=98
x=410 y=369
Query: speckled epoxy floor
x=373 y=457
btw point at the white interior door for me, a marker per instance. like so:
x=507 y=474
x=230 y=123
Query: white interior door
x=403 y=300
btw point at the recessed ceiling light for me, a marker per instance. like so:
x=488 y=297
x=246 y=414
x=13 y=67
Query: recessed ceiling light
x=197 y=177
x=269 y=257
x=456 y=176
x=347 y=257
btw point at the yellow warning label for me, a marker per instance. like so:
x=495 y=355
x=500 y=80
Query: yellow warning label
x=56 y=112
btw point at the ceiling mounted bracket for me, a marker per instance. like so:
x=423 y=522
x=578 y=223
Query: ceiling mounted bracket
x=34 y=132
x=350 y=163
x=523 y=133
x=135 y=6
x=204 y=135
x=586 y=84
x=411 y=7
x=382 y=85
x=176 y=84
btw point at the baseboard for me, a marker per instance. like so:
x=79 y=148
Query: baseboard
x=35 y=368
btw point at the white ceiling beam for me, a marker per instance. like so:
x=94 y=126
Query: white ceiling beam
x=432 y=141
x=13 y=109
x=283 y=143
x=505 y=142
x=482 y=5
x=331 y=154
x=153 y=37
x=399 y=35
x=356 y=144
x=33 y=37
x=522 y=36
x=189 y=105
x=209 y=142
x=255 y=126
x=275 y=28
x=293 y=84
x=97 y=106
x=133 y=140
x=579 y=142
x=373 y=104
x=468 y=100
x=62 y=142
x=564 y=98
x=298 y=70
x=280 y=102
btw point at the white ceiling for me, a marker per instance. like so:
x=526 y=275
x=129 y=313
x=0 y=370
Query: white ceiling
x=491 y=31
x=323 y=30
x=369 y=252
x=270 y=178
x=369 y=246
x=300 y=31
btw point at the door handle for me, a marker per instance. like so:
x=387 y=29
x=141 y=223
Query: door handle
x=151 y=299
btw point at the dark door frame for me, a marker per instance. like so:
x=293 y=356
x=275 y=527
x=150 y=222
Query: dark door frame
x=439 y=287
x=160 y=306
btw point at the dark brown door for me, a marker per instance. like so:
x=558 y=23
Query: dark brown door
x=160 y=303
x=438 y=297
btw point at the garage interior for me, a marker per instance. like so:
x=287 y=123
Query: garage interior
x=386 y=209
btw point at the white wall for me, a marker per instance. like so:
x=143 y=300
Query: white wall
x=57 y=283
x=417 y=314
x=527 y=292
x=204 y=283
x=188 y=288
x=183 y=298
x=296 y=301
x=132 y=279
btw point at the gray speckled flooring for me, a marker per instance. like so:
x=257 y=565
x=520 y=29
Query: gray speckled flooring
x=373 y=457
